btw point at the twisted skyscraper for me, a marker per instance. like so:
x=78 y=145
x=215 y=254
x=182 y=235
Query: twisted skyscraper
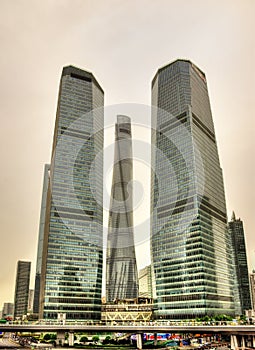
x=121 y=269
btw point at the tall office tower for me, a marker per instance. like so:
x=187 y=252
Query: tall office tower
x=71 y=271
x=40 y=239
x=7 y=310
x=252 y=284
x=121 y=269
x=145 y=282
x=189 y=239
x=21 y=289
x=30 y=300
x=241 y=274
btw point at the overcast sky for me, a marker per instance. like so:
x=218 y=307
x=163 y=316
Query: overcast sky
x=123 y=43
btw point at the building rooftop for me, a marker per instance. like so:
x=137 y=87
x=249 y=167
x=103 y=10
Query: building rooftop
x=80 y=74
x=175 y=62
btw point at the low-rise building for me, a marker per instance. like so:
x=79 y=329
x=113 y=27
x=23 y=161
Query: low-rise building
x=128 y=310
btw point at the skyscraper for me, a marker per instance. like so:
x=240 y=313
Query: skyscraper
x=21 y=289
x=189 y=240
x=145 y=282
x=7 y=310
x=30 y=300
x=241 y=274
x=121 y=269
x=71 y=273
x=252 y=284
x=40 y=239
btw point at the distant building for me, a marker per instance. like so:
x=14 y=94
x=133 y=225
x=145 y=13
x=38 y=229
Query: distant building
x=22 y=289
x=40 y=239
x=145 y=282
x=250 y=314
x=252 y=285
x=30 y=300
x=7 y=310
x=241 y=274
x=121 y=268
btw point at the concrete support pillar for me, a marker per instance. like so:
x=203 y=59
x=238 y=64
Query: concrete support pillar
x=242 y=342
x=155 y=339
x=139 y=341
x=60 y=338
x=233 y=342
x=249 y=341
x=71 y=339
x=253 y=341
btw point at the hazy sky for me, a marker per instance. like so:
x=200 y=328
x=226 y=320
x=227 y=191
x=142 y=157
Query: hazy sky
x=123 y=43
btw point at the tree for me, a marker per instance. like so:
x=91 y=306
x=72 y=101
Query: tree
x=95 y=338
x=107 y=340
x=243 y=319
x=84 y=339
x=47 y=336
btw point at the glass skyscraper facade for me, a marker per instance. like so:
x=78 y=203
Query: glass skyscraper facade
x=145 y=282
x=240 y=267
x=121 y=268
x=252 y=285
x=22 y=289
x=40 y=239
x=7 y=310
x=190 y=245
x=71 y=271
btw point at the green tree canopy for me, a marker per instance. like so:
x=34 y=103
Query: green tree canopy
x=95 y=338
x=47 y=336
x=84 y=339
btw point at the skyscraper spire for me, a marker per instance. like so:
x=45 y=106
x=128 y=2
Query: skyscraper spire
x=121 y=269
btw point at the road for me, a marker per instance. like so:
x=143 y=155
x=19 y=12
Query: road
x=7 y=343
x=134 y=329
